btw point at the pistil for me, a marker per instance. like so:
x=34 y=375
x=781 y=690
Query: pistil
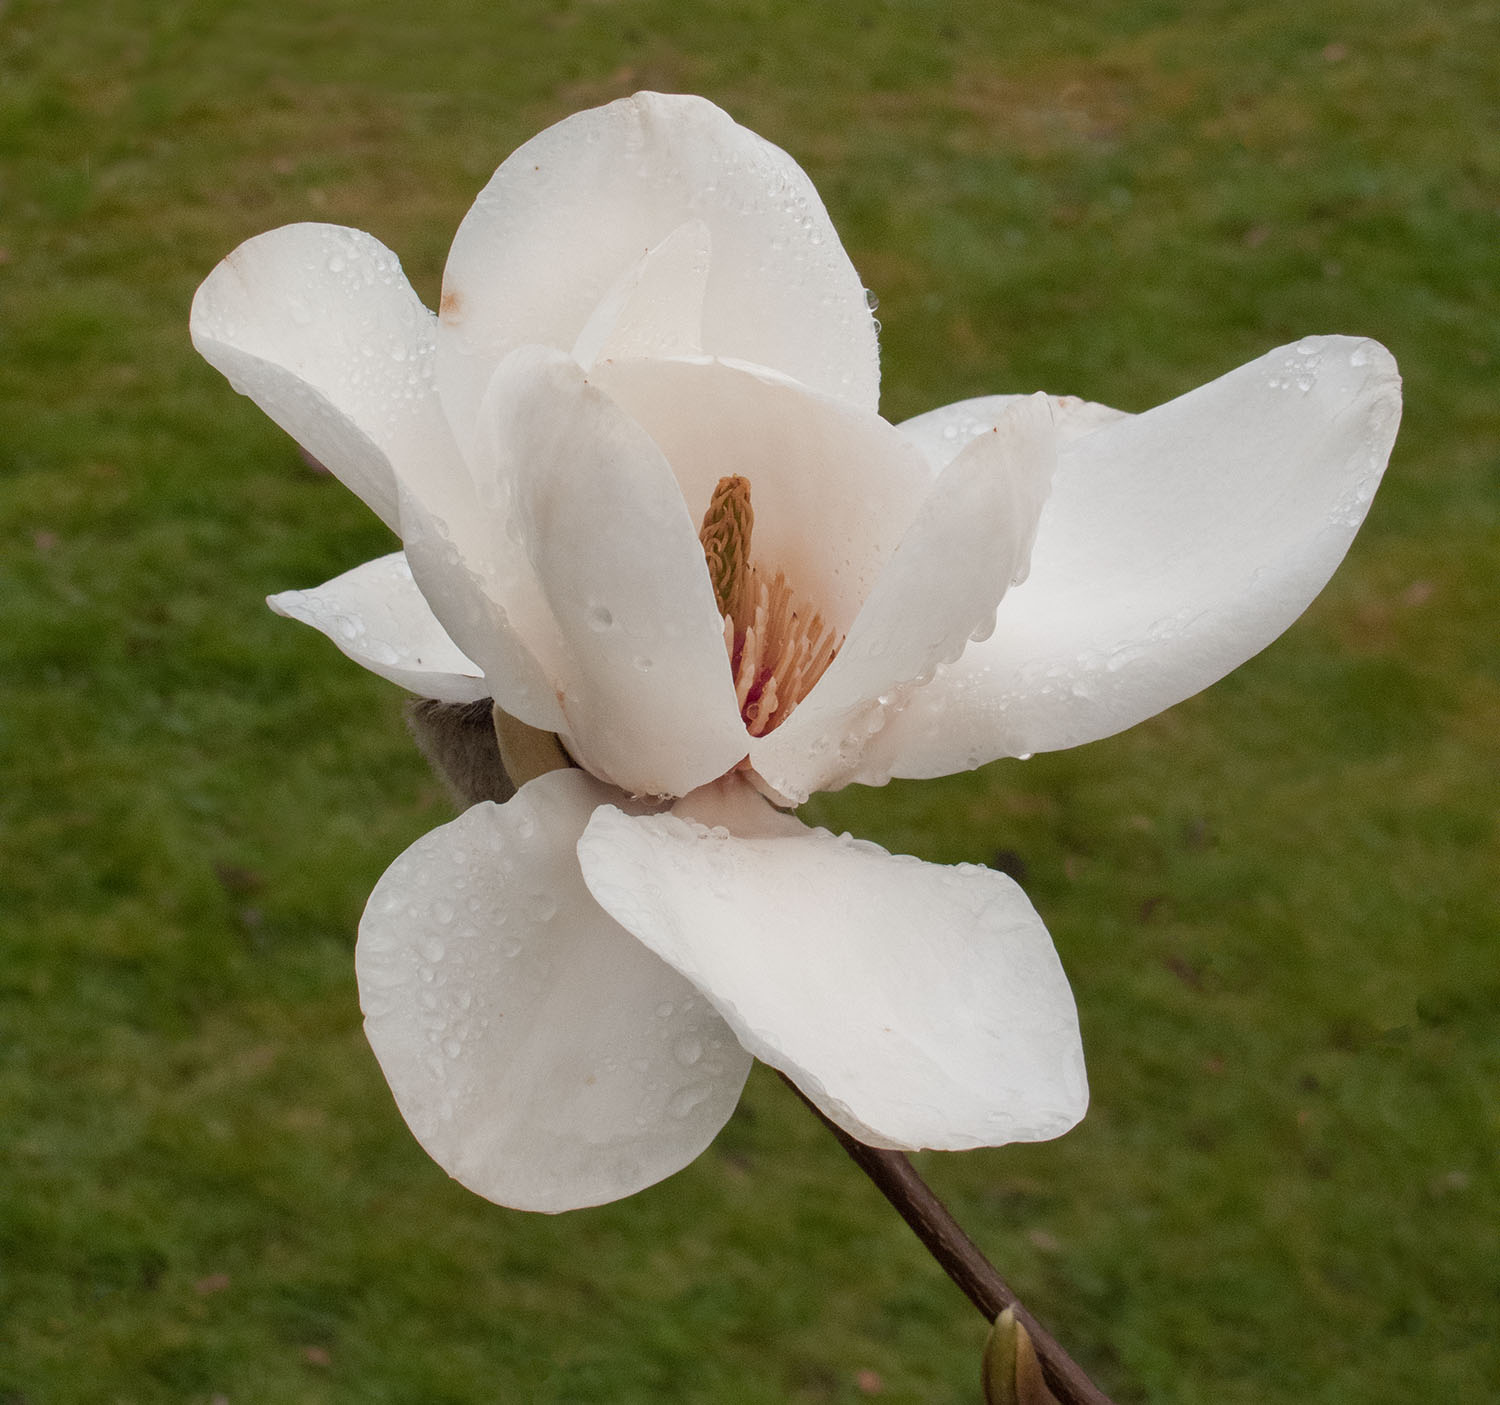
x=777 y=647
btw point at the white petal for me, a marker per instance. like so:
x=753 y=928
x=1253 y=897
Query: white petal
x=970 y=541
x=377 y=616
x=833 y=488
x=656 y=306
x=480 y=588
x=943 y=433
x=1175 y=545
x=540 y=1054
x=918 y=1006
x=575 y=207
x=646 y=687
x=318 y=325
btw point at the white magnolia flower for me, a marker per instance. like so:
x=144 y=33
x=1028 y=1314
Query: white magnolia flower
x=647 y=504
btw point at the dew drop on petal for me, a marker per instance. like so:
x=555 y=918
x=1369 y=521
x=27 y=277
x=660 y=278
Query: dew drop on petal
x=684 y=1100
x=541 y=907
x=601 y=617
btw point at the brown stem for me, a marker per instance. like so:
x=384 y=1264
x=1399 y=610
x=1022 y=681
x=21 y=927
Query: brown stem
x=943 y=1237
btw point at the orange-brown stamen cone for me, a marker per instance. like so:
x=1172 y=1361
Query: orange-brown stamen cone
x=777 y=648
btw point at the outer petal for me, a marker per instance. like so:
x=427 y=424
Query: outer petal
x=576 y=206
x=970 y=541
x=480 y=588
x=541 y=1055
x=318 y=325
x=944 y=433
x=1176 y=544
x=918 y=1006
x=645 y=686
x=377 y=616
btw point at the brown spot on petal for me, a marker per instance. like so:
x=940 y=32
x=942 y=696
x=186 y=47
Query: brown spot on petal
x=451 y=309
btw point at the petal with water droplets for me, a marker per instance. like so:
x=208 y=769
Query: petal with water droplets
x=318 y=325
x=644 y=683
x=916 y=1005
x=377 y=616
x=540 y=1054
x=1176 y=544
x=971 y=539
x=575 y=207
x=942 y=434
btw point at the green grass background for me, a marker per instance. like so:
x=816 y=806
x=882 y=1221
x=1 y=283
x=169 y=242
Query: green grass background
x=1277 y=902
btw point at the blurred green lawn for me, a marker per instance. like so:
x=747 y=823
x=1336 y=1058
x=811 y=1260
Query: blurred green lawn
x=1277 y=902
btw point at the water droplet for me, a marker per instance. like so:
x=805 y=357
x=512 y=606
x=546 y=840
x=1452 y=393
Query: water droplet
x=541 y=907
x=644 y=664
x=664 y=1010
x=335 y=264
x=688 y=1050
x=601 y=617
x=871 y=300
x=452 y=1047
x=684 y=1100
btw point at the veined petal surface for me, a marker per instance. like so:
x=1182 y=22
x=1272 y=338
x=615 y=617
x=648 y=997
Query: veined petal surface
x=578 y=205
x=378 y=617
x=541 y=1055
x=318 y=325
x=1176 y=544
x=916 y=1005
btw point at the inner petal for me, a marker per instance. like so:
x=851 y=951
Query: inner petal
x=835 y=489
x=778 y=647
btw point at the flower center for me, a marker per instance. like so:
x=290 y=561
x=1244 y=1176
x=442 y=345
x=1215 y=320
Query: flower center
x=777 y=647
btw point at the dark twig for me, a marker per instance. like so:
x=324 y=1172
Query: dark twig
x=943 y=1237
